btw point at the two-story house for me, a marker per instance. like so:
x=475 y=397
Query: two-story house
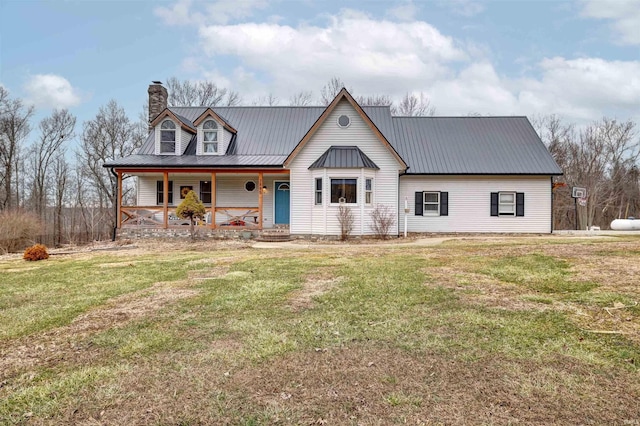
x=258 y=167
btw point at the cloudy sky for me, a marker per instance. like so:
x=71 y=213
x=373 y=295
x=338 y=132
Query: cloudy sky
x=579 y=59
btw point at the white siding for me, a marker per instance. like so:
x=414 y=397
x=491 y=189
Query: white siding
x=185 y=138
x=221 y=139
x=182 y=138
x=230 y=191
x=470 y=204
x=306 y=217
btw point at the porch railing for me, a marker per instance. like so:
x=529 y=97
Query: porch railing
x=225 y=218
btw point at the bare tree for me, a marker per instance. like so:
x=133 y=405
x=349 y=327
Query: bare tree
x=331 y=89
x=268 y=100
x=377 y=100
x=108 y=136
x=413 y=105
x=301 y=99
x=55 y=131
x=14 y=128
x=61 y=179
x=603 y=158
x=199 y=93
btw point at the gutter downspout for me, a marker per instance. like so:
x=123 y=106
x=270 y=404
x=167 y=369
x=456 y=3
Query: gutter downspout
x=115 y=207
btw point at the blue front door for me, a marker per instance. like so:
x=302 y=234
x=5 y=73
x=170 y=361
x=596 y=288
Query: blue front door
x=282 y=203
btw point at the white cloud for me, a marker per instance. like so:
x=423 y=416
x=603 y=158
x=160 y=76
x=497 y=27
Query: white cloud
x=52 y=91
x=625 y=15
x=583 y=88
x=398 y=57
x=403 y=12
x=219 y=12
x=391 y=56
x=579 y=89
x=476 y=89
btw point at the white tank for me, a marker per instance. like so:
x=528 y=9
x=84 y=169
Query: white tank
x=630 y=224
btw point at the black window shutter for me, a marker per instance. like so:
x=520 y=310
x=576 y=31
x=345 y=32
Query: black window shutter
x=444 y=204
x=494 y=204
x=519 y=203
x=419 y=201
x=159 y=199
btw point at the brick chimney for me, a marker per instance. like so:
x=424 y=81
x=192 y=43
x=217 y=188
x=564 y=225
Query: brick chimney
x=158 y=96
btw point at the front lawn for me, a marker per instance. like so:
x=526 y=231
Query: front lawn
x=476 y=331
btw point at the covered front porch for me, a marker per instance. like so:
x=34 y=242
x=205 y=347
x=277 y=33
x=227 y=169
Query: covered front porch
x=234 y=199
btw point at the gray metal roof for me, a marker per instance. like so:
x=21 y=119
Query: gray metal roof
x=472 y=145
x=429 y=145
x=183 y=161
x=343 y=157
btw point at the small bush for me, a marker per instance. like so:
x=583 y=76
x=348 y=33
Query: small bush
x=18 y=229
x=346 y=220
x=36 y=252
x=382 y=220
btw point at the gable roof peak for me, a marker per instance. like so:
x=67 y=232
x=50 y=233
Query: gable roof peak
x=344 y=94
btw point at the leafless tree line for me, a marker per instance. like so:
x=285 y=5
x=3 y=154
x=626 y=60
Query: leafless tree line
x=60 y=186
x=601 y=157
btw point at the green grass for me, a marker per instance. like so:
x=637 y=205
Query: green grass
x=537 y=272
x=50 y=294
x=246 y=318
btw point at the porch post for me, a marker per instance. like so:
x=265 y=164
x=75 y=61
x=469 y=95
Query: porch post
x=165 y=199
x=213 y=200
x=119 y=202
x=260 y=197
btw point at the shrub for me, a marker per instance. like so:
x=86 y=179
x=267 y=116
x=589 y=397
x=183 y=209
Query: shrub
x=191 y=208
x=346 y=220
x=382 y=219
x=18 y=229
x=36 y=252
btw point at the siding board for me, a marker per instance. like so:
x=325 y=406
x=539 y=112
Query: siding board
x=469 y=204
x=306 y=218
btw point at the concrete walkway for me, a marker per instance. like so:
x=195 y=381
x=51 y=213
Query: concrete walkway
x=301 y=244
x=434 y=241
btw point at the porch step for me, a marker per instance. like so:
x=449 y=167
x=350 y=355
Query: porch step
x=280 y=233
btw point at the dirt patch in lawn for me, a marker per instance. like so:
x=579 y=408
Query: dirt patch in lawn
x=361 y=384
x=381 y=386
x=68 y=343
x=318 y=282
x=481 y=289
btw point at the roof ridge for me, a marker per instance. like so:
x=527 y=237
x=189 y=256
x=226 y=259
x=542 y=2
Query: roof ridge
x=458 y=116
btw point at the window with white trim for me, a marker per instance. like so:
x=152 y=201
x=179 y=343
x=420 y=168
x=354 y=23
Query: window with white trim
x=368 y=191
x=249 y=186
x=431 y=203
x=167 y=137
x=318 y=192
x=344 y=191
x=507 y=203
x=210 y=137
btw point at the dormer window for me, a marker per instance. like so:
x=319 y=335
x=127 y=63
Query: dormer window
x=167 y=137
x=210 y=139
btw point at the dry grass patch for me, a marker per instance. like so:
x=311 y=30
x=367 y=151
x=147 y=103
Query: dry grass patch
x=69 y=343
x=318 y=282
x=378 y=386
x=482 y=290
